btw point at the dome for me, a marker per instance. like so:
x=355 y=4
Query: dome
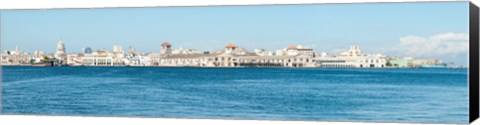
x=231 y=46
x=60 y=45
x=166 y=44
x=87 y=50
x=292 y=47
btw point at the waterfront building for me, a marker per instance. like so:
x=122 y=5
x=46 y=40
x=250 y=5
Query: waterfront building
x=234 y=56
x=15 y=57
x=101 y=58
x=154 y=59
x=228 y=57
x=353 y=58
x=167 y=58
x=75 y=59
x=144 y=60
x=425 y=62
x=400 y=62
x=276 y=61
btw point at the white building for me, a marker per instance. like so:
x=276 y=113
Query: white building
x=75 y=59
x=101 y=58
x=263 y=52
x=293 y=50
x=185 y=51
x=353 y=58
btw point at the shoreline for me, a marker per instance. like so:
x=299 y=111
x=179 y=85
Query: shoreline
x=242 y=67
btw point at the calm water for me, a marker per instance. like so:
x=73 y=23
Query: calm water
x=378 y=95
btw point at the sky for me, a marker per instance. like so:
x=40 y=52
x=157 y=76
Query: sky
x=421 y=30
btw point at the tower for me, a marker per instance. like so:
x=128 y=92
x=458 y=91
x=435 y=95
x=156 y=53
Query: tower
x=355 y=50
x=17 y=50
x=117 y=49
x=165 y=49
x=292 y=50
x=230 y=48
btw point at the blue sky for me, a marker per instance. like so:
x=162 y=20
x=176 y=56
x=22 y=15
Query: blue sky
x=389 y=28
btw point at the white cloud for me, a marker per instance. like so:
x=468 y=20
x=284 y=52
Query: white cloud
x=440 y=44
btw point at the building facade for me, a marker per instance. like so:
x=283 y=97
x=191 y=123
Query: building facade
x=353 y=58
x=234 y=56
x=15 y=57
x=98 y=58
x=229 y=56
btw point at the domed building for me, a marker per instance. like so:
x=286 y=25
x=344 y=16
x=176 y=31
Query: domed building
x=60 y=54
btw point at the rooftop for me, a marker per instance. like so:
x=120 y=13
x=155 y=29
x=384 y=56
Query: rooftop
x=292 y=47
x=166 y=44
x=230 y=45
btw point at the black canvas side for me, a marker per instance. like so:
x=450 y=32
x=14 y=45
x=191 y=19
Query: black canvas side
x=473 y=64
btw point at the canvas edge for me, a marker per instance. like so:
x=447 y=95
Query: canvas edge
x=235 y=4
x=1 y=67
x=474 y=51
x=473 y=62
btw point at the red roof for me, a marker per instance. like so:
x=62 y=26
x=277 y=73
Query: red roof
x=166 y=44
x=292 y=47
x=231 y=46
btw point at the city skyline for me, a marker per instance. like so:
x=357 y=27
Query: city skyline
x=231 y=56
x=316 y=26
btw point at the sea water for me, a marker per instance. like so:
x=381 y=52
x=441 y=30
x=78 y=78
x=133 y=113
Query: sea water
x=374 y=95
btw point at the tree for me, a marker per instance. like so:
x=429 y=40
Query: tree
x=45 y=59
x=389 y=64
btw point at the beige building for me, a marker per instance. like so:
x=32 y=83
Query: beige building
x=99 y=58
x=234 y=56
x=15 y=57
x=102 y=57
x=420 y=62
